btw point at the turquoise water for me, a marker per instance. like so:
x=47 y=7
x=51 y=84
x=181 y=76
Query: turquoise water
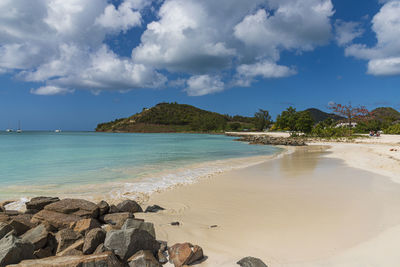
x=32 y=160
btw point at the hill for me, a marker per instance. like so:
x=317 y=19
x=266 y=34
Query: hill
x=318 y=115
x=174 y=117
x=386 y=114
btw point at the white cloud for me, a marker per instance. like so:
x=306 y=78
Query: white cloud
x=384 y=56
x=346 y=32
x=50 y=90
x=121 y=18
x=200 y=85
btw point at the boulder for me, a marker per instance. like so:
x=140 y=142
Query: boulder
x=12 y=213
x=74 y=249
x=37 y=236
x=93 y=239
x=2 y=209
x=185 y=254
x=65 y=238
x=251 y=262
x=116 y=219
x=125 y=243
x=79 y=207
x=154 y=208
x=162 y=258
x=38 y=203
x=113 y=209
x=106 y=259
x=143 y=258
x=129 y=206
x=55 y=219
x=4 y=217
x=138 y=224
x=100 y=249
x=103 y=207
x=5 y=228
x=22 y=223
x=14 y=250
x=43 y=253
x=85 y=225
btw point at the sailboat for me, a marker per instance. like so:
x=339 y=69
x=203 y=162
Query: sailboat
x=9 y=130
x=19 y=127
x=58 y=131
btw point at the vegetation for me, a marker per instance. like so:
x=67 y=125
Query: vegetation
x=394 y=129
x=320 y=116
x=294 y=121
x=262 y=120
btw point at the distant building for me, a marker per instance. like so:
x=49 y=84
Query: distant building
x=346 y=124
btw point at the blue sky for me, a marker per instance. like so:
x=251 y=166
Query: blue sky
x=72 y=65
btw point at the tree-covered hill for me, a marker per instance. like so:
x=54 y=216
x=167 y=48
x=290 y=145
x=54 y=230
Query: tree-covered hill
x=173 y=117
x=319 y=116
x=386 y=114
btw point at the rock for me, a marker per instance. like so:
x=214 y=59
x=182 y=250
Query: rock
x=14 y=250
x=117 y=219
x=113 y=209
x=93 y=239
x=270 y=140
x=100 y=249
x=79 y=207
x=37 y=236
x=65 y=238
x=74 y=249
x=175 y=223
x=43 y=253
x=85 y=225
x=163 y=245
x=22 y=223
x=185 y=254
x=162 y=258
x=154 y=208
x=4 y=217
x=55 y=219
x=251 y=262
x=5 y=228
x=2 y=209
x=12 y=213
x=38 y=203
x=143 y=258
x=129 y=206
x=125 y=243
x=106 y=259
x=103 y=207
x=137 y=224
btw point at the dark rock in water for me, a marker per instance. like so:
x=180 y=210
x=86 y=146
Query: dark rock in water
x=270 y=140
x=37 y=236
x=55 y=219
x=185 y=254
x=5 y=228
x=116 y=219
x=143 y=258
x=79 y=207
x=93 y=239
x=65 y=238
x=154 y=208
x=175 y=223
x=103 y=207
x=13 y=250
x=106 y=259
x=113 y=209
x=74 y=249
x=38 y=203
x=125 y=243
x=22 y=223
x=137 y=224
x=251 y=262
x=85 y=225
x=129 y=206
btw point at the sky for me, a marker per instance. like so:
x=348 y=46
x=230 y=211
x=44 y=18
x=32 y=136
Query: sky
x=73 y=64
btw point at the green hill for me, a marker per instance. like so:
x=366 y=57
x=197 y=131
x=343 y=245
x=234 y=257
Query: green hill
x=173 y=117
x=386 y=114
x=318 y=115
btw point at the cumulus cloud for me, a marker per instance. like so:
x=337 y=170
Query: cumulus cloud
x=62 y=43
x=203 y=85
x=346 y=32
x=383 y=58
x=50 y=90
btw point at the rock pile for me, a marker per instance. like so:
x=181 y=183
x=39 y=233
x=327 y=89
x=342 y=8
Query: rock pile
x=269 y=140
x=76 y=232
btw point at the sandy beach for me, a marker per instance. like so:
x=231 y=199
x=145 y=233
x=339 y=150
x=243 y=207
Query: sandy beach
x=329 y=204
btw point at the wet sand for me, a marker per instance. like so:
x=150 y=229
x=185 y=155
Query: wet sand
x=304 y=209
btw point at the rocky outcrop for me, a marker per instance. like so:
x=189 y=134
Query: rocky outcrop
x=154 y=208
x=37 y=236
x=65 y=238
x=125 y=243
x=129 y=206
x=185 y=254
x=73 y=250
x=103 y=207
x=14 y=250
x=36 y=204
x=78 y=207
x=143 y=258
x=5 y=229
x=140 y=225
x=56 y=219
x=21 y=223
x=270 y=140
x=93 y=239
x=251 y=262
x=85 y=225
x=101 y=260
x=116 y=219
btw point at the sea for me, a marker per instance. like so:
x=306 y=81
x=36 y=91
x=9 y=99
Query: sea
x=95 y=165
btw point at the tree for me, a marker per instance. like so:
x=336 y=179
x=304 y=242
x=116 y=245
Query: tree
x=287 y=120
x=304 y=122
x=262 y=119
x=352 y=114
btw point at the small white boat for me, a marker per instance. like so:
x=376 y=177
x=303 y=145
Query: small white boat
x=9 y=130
x=57 y=131
x=19 y=131
x=19 y=127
